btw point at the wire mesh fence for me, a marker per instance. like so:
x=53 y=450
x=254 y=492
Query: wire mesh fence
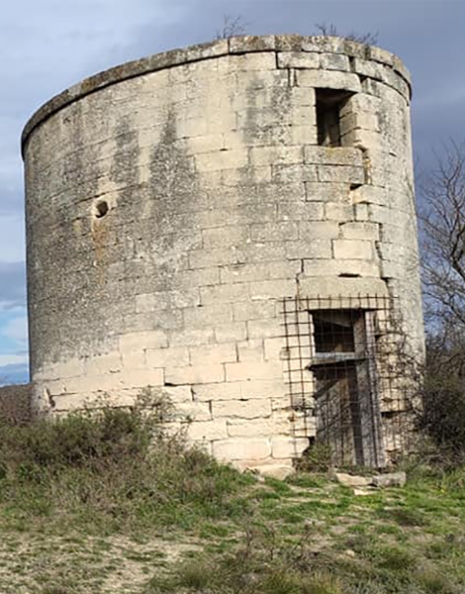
x=345 y=376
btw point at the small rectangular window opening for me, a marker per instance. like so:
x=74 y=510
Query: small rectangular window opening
x=334 y=331
x=329 y=103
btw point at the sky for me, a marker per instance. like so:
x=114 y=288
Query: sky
x=48 y=45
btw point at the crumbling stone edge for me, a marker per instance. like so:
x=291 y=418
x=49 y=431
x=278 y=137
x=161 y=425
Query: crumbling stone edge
x=364 y=59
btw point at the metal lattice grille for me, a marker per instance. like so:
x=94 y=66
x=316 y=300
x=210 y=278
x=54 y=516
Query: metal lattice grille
x=342 y=360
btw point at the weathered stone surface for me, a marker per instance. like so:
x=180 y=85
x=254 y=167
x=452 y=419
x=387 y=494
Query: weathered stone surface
x=276 y=471
x=393 y=479
x=335 y=62
x=242 y=449
x=350 y=480
x=298 y=60
x=330 y=79
x=175 y=202
x=352 y=249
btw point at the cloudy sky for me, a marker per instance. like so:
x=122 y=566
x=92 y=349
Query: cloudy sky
x=48 y=45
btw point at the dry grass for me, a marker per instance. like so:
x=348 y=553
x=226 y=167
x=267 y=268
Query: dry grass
x=107 y=503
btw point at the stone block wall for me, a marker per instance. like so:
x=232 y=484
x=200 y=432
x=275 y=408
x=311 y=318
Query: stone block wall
x=175 y=201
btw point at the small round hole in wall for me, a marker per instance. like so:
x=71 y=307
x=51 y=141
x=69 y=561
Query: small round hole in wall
x=101 y=208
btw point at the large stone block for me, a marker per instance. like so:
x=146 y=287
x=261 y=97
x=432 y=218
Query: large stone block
x=242 y=409
x=309 y=248
x=208 y=315
x=133 y=340
x=225 y=293
x=258 y=427
x=242 y=449
x=251 y=43
x=213 y=354
x=279 y=231
x=329 y=79
x=219 y=236
x=350 y=174
x=288 y=447
x=207 y=430
x=296 y=211
x=250 y=351
x=193 y=336
x=264 y=389
x=275 y=349
x=252 y=371
x=350 y=288
x=298 y=60
x=285 y=174
x=362 y=231
x=335 y=62
x=352 y=249
x=172 y=356
x=346 y=267
x=273 y=289
x=150 y=302
x=339 y=212
x=266 y=328
x=274 y=155
x=265 y=271
x=72 y=368
x=337 y=155
x=231 y=332
x=194 y=374
x=254 y=61
x=217 y=161
x=309 y=231
x=256 y=310
x=215 y=392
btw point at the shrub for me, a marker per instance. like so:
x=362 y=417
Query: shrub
x=443 y=415
x=116 y=467
x=80 y=439
x=317 y=458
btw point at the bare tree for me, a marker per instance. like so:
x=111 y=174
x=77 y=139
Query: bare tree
x=442 y=239
x=442 y=220
x=331 y=30
x=232 y=26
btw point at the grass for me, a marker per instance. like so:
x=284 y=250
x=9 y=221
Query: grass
x=108 y=503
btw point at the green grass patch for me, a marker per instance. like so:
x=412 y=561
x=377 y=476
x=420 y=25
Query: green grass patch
x=105 y=502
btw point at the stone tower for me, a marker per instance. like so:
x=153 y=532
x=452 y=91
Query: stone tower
x=234 y=225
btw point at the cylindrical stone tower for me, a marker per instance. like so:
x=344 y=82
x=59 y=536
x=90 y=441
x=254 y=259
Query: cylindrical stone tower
x=232 y=224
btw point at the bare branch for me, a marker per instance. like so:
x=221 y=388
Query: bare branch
x=232 y=26
x=331 y=30
x=327 y=29
x=442 y=220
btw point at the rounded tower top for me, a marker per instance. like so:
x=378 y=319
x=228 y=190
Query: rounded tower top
x=365 y=60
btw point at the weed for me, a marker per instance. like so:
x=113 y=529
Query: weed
x=281 y=582
x=322 y=583
x=317 y=458
x=405 y=516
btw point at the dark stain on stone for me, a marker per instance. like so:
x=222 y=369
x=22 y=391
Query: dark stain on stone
x=124 y=169
x=173 y=189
